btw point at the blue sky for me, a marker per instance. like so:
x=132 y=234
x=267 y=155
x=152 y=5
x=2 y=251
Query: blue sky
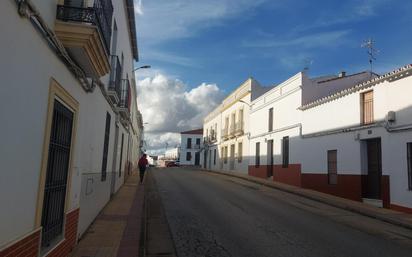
x=270 y=40
x=219 y=43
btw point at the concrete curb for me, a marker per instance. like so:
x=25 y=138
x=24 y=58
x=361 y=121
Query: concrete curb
x=393 y=217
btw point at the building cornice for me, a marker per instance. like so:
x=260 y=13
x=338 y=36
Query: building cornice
x=132 y=28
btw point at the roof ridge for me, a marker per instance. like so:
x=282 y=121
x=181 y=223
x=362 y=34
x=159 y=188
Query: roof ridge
x=354 y=88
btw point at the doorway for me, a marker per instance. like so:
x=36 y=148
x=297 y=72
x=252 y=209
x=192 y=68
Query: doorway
x=372 y=185
x=232 y=157
x=113 y=177
x=205 y=159
x=197 y=159
x=54 y=199
x=270 y=158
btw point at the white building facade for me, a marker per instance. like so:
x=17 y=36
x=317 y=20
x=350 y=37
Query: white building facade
x=226 y=130
x=75 y=131
x=349 y=136
x=191 y=144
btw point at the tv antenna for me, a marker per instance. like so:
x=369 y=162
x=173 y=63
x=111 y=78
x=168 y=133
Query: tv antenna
x=372 y=51
x=307 y=62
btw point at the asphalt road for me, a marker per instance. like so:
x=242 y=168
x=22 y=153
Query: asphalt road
x=213 y=215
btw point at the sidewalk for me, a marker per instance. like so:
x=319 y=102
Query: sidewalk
x=386 y=215
x=116 y=230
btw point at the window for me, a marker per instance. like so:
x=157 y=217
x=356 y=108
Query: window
x=57 y=173
x=121 y=156
x=188 y=156
x=332 y=167
x=270 y=119
x=114 y=38
x=409 y=157
x=225 y=155
x=257 y=157
x=222 y=156
x=239 y=152
x=214 y=157
x=105 y=147
x=197 y=141
x=285 y=152
x=367 y=107
x=189 y=143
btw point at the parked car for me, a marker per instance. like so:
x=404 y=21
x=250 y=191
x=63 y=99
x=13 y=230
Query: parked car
x=173 y=164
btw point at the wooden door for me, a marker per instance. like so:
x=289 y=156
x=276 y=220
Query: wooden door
x=373 y=187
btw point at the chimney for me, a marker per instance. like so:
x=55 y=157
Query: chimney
x=342 y=74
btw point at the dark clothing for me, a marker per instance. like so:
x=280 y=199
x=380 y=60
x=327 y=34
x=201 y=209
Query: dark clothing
x=143 y=162
x=142 y=171
x=142 y=167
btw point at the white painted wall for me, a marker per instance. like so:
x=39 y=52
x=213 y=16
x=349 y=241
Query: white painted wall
x=285 y=99
x=27 y=65
x=193 y=150
x=345 y=112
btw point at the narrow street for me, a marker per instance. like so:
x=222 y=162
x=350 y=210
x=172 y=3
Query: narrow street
x=213 y=215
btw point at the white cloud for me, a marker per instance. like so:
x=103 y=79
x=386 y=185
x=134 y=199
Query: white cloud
x=156 y=55
x=171 y=19
x=349 y=12
x=156 y=142
x=138 y=7
x=323 y=39
x=169 y=107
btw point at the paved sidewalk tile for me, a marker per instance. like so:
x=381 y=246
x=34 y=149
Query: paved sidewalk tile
x=116 y=230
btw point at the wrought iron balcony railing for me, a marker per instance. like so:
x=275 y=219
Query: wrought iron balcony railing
x=225 y=133
x=212 y=136
x=115 y=75
x=99 y=15
x=239 y=128
x=124 y=94
x=232 y=130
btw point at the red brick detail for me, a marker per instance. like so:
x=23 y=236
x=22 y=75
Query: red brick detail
x=70 y=236
x=401 y=208
x=348 y=186
x=385 y=192
x=26 y=247
x=290 y=175
x=260 y=172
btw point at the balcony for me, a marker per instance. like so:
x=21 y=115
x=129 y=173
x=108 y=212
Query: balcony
x=114 y=87
x=196 y=147
x=232 y=131
x=85 y=32
x=239 y=129
x=212 y=137
x=124 y=102
x=225 y=133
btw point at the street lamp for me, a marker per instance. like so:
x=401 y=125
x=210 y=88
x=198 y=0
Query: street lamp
x=143 y=67
x=241 y=101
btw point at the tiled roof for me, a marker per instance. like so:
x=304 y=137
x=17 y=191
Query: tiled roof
x=393 y=74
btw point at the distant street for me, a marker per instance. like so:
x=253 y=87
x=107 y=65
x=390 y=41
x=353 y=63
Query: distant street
x=212 y=215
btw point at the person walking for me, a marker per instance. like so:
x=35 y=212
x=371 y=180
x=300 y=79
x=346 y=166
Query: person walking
x=142 y=166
